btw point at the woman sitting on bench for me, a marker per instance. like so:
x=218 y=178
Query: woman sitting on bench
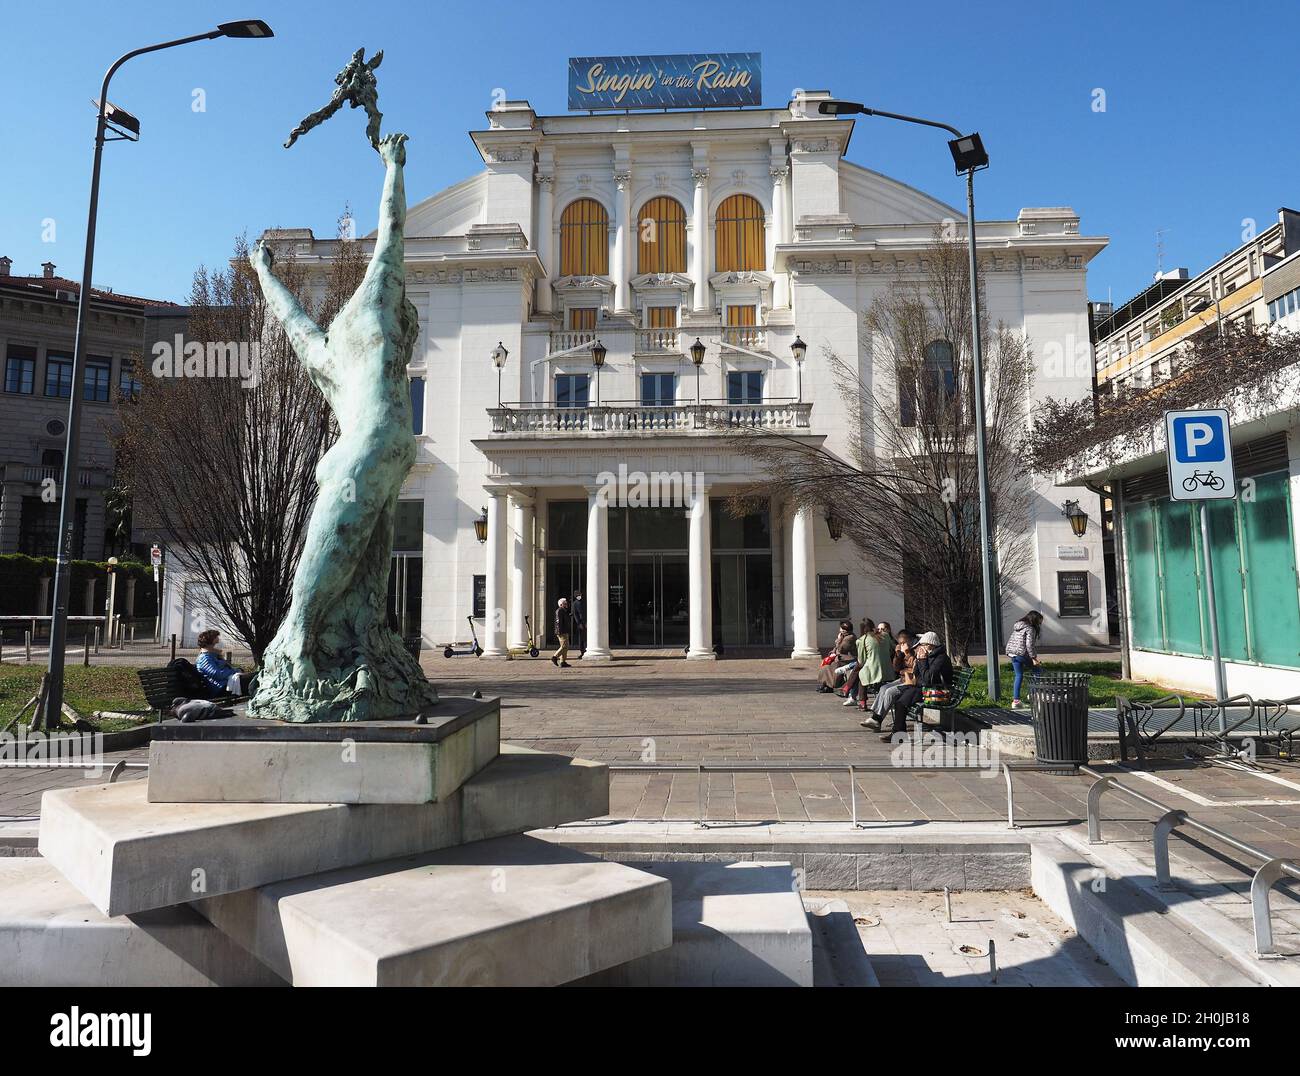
x=933 y=682
x=219 y=673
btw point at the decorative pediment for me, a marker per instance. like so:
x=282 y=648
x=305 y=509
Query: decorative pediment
x=667 y=281
x=584 y=283
x=741 y=278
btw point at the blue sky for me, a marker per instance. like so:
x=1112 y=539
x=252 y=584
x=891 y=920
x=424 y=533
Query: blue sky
x=1195 y=136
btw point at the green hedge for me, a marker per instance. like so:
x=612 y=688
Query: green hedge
x=20 y=586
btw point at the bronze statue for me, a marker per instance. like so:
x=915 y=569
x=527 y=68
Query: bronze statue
x=358 y=88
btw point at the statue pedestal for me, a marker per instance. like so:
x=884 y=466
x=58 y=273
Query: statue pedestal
x=245 y=760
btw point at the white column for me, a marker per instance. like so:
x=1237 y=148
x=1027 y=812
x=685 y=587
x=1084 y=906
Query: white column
x=542 y=240
x=597 y=593
x=803 y=580
x=521 y=568
x=780 y=281
x=494 y=620
x=622 y=242
x=701 y=578
x=700 y=230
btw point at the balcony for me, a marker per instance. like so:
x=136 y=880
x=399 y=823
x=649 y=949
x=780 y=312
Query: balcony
x=633 y=419
x=623 y=338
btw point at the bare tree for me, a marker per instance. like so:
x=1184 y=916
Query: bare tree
x=224 y=464
x=906 y=490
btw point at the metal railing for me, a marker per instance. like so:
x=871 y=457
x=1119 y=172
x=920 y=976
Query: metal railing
x=1273 y=868
x=852 y=769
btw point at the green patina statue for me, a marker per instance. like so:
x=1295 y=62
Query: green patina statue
x=335 y=658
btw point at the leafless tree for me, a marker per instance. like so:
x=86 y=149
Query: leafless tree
x=226 y=469
x=906 y=489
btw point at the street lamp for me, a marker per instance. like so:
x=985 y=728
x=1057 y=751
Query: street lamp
x=799 y=349
x=969 y=156
x=499 y=356
x=1077 y=516
x=112 y=598
x=697 y=357
x=121 y=121
x=480 y=527
x=598 y=354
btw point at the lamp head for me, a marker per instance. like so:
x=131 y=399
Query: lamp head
x=480 y=527
x=968 y=153
x=499 y=355
x=842 y=108
x=598 y=354
x=697 y=352
x=245 y=28
x=1077 y=516
x=799 y=350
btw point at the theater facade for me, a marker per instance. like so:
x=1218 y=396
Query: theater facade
x=626 y=237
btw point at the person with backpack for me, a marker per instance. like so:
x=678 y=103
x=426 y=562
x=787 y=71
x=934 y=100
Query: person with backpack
x=1022 y=650
x=219 y=674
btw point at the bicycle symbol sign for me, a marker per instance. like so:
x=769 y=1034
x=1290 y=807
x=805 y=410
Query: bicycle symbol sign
x=1199 y=455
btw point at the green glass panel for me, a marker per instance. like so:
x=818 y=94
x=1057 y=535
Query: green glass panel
x=1180 y=578
x=1271 y=591
x=1143 y=576
x=1229 y=595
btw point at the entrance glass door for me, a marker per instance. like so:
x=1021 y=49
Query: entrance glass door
x=404 y=594
x=566 y=575
x=658 y=607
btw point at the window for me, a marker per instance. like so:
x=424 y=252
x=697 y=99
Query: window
x=571 y=390
x=744 y=386
x=742 y=327
x=128 y=383
x=661 y=317
x=95 y=379
x=52 y=457
x=408 y=527
x=417 y=405
x=661 y=230
x=658 y=390
x=582 y=318
x=741 y=242
x=20 y=370
x=584 y=239
x=58 y=374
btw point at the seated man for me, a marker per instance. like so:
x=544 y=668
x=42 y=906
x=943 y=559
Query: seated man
x=219 y=673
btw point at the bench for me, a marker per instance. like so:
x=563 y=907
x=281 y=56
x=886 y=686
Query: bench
x=162 y=684
x=948 y=712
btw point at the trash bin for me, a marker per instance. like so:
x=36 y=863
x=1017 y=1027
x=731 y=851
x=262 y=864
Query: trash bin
x=1059 y=704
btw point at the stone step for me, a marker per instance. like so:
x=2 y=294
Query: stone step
x=515 y=911
x=50 y=935
x=734 y=924
x=128 y=855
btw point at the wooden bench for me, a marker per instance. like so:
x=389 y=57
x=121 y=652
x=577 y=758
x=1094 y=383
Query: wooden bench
x=947 y=713
x=162 y=684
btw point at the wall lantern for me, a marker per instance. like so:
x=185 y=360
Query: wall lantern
x=480 y=527
x=834 y=524
x=1077 y=516
x=799 y=349
x=499 y=356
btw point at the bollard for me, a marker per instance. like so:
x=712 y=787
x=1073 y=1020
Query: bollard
x=96 y=638
x=947 y=902
x=85 y=650
x=993 y=961
x=133 y=635
x=28 y=646
x=173 y=646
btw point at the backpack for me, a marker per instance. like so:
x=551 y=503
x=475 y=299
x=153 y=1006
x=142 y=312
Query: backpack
x=188 y=680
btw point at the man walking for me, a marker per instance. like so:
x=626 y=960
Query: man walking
x=563 y=629
x=579 y=623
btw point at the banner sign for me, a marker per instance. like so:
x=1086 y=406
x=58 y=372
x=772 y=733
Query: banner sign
x=693 y=80
x=832 y=597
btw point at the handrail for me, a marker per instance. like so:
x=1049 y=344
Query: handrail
x=119 y=767
x=1274 y=868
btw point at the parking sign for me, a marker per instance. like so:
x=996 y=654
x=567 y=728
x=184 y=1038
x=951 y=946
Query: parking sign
x=1200 y=455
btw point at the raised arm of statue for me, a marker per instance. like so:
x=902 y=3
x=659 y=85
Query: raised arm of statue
x=387 y=266
x=307 y=338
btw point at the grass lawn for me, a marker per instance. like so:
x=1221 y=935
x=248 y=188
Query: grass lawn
x=100 y=687
x=1105 y=684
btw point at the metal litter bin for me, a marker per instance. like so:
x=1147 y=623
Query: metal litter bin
x=1059 y=704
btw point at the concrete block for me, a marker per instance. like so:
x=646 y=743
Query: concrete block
x=930 y=871
x=823 y=870
x=888 y=870
x=515 y=911
x=353 y=762
x=128 y=855
x=50 y=935
x=737 y=924
x=990 y=871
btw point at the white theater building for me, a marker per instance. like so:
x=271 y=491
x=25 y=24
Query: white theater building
x=761 y=232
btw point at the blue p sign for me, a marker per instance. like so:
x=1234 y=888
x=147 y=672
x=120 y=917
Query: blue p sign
x=1199 y=439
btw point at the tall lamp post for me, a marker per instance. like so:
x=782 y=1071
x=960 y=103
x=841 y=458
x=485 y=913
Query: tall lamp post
x=598 y=353
x=123 y=125
x=697 y=357
x=969 y=157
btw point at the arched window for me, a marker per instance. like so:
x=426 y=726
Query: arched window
x=584 y=239
x=661 y=233
x=740 y=240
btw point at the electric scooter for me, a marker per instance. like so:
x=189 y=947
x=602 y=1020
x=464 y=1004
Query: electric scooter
x=473 y=649
x=531 y=649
